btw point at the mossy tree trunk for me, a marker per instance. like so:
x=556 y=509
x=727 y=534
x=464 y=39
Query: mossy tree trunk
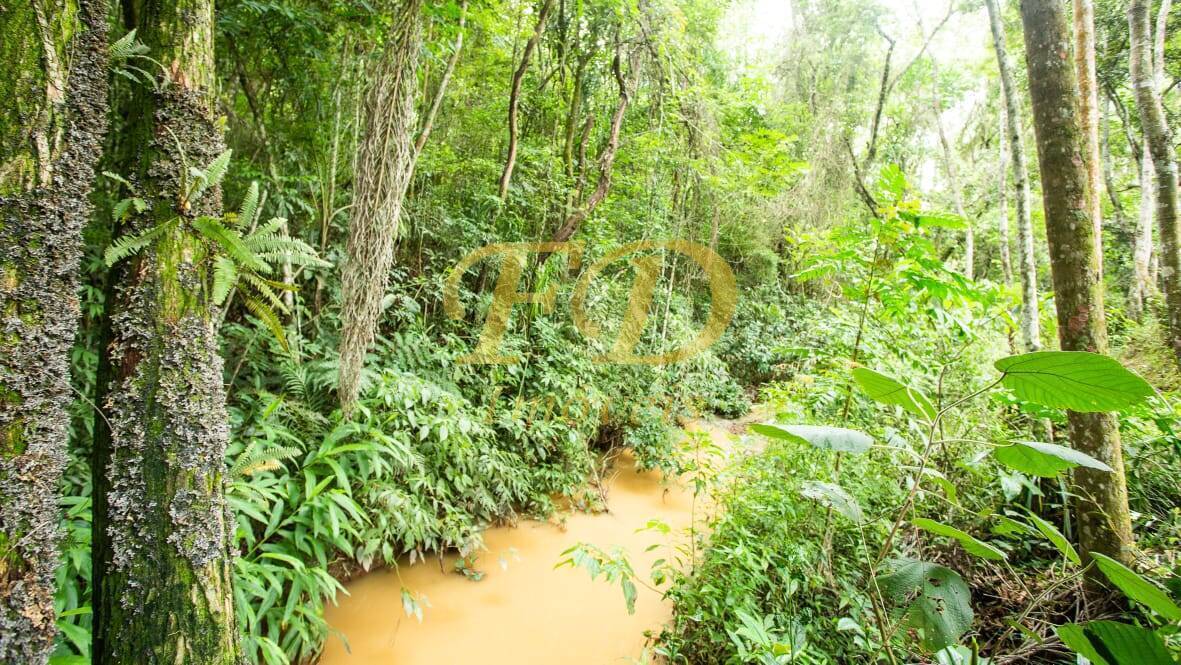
x=1027 y=261
x=52 y=126
x=1102 y=509
x=1158 y=138
x=162 y=528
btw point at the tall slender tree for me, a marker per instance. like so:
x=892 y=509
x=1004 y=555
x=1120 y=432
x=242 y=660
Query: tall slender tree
x=1102 y=508
x=514 y=97
x=162 y=588
x=53 y=120
x=1159 y=140
x=1002 y=204
x=1030 y=326
x=1084 y=63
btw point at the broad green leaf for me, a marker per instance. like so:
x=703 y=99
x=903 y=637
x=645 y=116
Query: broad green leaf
x=1114 y=643
x=1044 y=459
x=820 y=436
x=972 y=545
x=1055 y=536
x=1075 y=380
x=1007 y=526
x=1137 y=588
x=939 y=600
x=836 y=497
x=941 y=219
x=886 y=390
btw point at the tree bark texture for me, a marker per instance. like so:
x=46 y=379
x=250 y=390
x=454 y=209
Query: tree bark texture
x=1084 y=63
x=1102 y=507
x=384 y=167
x=163 y=531
x=52 y=133
x=1030 y=325
x=1002 y=193
x=1159 y=139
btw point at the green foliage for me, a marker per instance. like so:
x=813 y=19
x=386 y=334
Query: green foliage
x=1137 y=588
x=1114 y=643
x=882 y=388
x=1074 y=380
x=969 y=543
x=937 y=601
x=1044 y=459
x=838 y=439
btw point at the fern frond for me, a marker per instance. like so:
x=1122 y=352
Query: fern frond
x=285 y=249
x=230 y=242
x=263 y=312
x=265 y=289
x=225 y=276
x=210 y=176
x=131 y=245
x=127 y=47
x=256 y=459
x=249 y=210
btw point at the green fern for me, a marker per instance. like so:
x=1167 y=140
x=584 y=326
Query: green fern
x=230 y=242
x=225 y=275
x=127 y=246
x=209 y=177
x=248 y=213
x=266 y=314
x=256 y=459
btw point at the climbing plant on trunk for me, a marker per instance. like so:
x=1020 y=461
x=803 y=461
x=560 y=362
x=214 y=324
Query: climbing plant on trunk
x=162 y=588
x=384 y=166
x=52 y=126
x=1102 y=509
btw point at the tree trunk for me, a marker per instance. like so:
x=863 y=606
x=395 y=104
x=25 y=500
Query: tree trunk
x=384 y=167
x=1102 y=506
x=1002 y=194
x=1030 y=326
x=1159 y=139
x=514 y=98
x=953 y=179
x=1084 y=63
x=44 y=205
x=162 y=536
x=1143 y=286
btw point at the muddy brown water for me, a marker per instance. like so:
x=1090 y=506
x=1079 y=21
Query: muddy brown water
x=525 y=612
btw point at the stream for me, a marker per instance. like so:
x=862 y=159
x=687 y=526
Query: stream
x=524 y=611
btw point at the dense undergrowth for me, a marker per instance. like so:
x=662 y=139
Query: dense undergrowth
x=783 y=578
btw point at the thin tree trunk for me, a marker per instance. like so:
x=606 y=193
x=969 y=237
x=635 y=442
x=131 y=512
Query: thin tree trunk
x=514 y=98
x=1159 y=139
x=384 y=167
x=1084 y=63
x=428 y=123
x=1143 y=286
x=953 y=178
x=40 y=248
x=1102 y=508
x=1002 y=222
x=606 y=158
x=1030 y=326
x=162 y=536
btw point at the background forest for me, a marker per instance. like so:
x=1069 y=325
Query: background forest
x=230 y=382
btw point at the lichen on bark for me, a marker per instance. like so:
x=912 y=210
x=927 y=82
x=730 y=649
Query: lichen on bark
x=1102 y=505
x=41 y=221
